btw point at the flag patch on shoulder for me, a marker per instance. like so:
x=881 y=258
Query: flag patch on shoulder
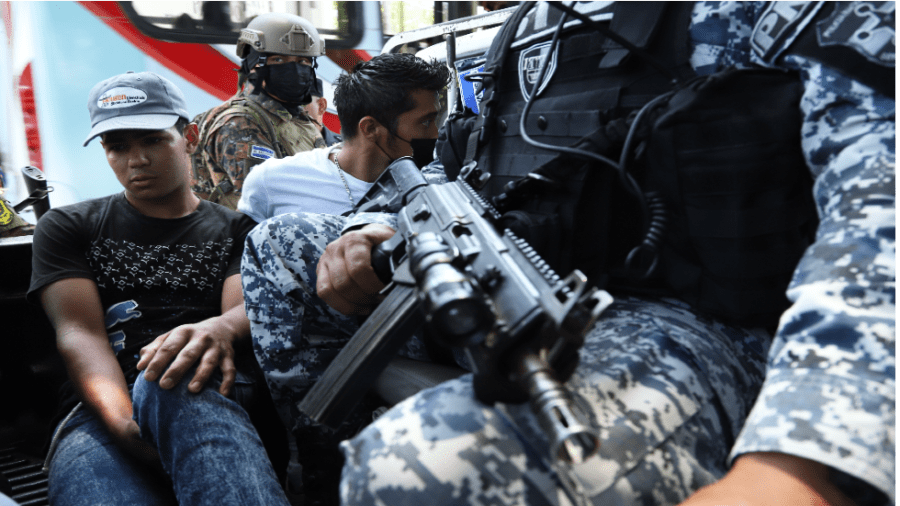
x=261 y=152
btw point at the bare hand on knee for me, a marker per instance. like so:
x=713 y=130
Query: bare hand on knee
x=170 y=356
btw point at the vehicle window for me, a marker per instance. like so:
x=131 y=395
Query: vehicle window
x=339 y=23
x=398 y=17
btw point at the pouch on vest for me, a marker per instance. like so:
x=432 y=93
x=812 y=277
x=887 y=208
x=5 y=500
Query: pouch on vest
x=724 y=153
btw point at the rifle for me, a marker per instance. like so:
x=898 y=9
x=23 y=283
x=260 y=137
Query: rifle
x=476 y=289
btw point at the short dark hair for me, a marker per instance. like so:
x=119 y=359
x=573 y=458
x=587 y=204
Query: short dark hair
x=181 y=124
x=382 y=88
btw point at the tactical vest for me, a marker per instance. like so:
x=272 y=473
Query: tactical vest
x=287 y=137
x=712 y=202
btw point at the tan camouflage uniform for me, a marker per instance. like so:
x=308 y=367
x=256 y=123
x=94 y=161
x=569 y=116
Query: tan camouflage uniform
x=235 y=136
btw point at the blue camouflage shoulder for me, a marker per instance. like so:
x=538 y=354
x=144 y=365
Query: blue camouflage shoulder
x=829 y=393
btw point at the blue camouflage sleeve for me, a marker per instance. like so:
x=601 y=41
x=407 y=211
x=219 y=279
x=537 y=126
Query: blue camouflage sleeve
x=434 y=172
x=829 y=393
x=360 y=220
x=295 y=335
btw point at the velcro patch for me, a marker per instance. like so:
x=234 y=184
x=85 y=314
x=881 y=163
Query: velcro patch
x=531 y=61
x=866 y=27
x=778 y=25
x=261 y=152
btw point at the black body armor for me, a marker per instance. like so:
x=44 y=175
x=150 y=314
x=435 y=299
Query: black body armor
x=711 y=201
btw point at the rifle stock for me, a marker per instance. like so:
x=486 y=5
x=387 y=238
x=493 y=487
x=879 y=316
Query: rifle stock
x=36 y=184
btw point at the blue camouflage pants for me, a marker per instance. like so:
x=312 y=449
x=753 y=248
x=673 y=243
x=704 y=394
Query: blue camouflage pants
x=666 y=390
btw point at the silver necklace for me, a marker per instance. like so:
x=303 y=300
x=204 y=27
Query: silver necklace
x=341 y=174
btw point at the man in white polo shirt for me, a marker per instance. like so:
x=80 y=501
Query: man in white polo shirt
x=388 y=107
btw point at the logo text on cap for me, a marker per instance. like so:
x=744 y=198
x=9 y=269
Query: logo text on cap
x=121 y=97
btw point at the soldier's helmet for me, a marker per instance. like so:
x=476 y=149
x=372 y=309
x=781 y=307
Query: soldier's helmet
x=281 y=33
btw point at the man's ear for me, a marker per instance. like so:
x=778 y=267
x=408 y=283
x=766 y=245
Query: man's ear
x=323 y=104
x=192 y=136
x=368 y=127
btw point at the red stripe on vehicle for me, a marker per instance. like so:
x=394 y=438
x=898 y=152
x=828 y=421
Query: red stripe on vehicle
x=362 y=54
x=347 y=58
x=200 y=64
x=331 y=121
x=29 y=117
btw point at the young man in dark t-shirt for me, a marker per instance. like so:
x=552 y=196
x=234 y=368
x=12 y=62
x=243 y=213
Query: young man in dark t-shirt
x=143 y=289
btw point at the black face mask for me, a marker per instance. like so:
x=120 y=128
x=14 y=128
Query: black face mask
x=293 y=83
x=423 y=150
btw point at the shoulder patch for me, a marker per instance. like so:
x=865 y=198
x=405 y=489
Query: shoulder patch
x=530 y=62
x=261 y=152
x=865 y=27
x=779 y=25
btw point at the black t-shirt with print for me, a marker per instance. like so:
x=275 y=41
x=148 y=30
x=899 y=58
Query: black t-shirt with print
x=152 y=274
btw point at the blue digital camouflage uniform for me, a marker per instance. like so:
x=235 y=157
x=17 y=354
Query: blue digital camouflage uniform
x=669 y=392
x=295 y=335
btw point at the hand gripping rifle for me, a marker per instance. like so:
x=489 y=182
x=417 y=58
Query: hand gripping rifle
x=486 y=292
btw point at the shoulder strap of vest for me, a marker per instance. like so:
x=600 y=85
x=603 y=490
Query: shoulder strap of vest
x=205 y=119
x=635 y=22
x=490 y=77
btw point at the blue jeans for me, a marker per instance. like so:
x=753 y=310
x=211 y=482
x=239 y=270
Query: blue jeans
x=210 y=452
